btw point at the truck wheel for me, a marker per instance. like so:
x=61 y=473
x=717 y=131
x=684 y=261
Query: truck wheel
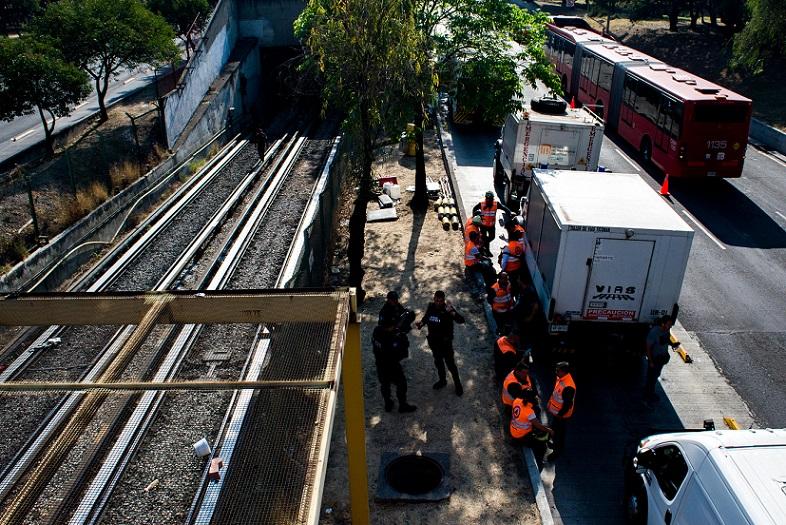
x=636 y=504
x=646 y=150
x=549 y=106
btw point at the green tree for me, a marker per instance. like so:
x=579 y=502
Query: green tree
x=34 y=77
x=103 y=36
x=185 y=16
x=762 y=38
x=366 y=56
x=469 y=48
x=14 y=13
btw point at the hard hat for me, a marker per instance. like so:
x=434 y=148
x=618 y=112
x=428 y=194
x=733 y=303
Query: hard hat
x=489 y=194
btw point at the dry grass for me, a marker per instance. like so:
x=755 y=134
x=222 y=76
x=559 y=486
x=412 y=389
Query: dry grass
x=123 y=174
x=70 y=210
x=12 y=250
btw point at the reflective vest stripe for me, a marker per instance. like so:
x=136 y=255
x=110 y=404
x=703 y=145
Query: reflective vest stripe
x=503 y=300
x=470 y=254
x=488 y=214
x=514 y=250
x=520 y=424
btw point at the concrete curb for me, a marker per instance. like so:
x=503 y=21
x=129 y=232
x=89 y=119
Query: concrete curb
x=527 y=457
x=768 y=136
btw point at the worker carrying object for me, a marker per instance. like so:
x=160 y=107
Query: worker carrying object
x=488 y=213
x=390 y=348
x=560 y=406
x=511 y=259
x=475 y=261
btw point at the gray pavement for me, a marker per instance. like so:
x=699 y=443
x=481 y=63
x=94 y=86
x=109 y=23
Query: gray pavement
x=586 y=484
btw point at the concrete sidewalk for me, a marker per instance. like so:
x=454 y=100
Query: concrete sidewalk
x=586 y=484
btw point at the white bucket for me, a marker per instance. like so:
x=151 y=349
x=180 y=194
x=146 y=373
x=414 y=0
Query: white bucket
x=395 y=192
x=386 y=189
x=202 y=448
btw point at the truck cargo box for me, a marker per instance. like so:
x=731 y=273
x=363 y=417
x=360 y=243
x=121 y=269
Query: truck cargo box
x=603 y=247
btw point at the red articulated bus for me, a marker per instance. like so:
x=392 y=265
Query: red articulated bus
x=685 y=125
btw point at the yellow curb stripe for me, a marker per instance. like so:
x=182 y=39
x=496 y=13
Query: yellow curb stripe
x=731 y=423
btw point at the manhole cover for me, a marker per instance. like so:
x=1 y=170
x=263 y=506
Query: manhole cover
x=414 y=474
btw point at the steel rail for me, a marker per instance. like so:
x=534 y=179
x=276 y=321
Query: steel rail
x=59 y=416
x=91 y=505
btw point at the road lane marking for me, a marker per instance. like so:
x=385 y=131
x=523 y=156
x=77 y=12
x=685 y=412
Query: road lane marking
x=23 y=135
x=705 y=230
x=773 y=157
x=82 y=104
x=627 y=159
x=782 y=216
x=126 y=81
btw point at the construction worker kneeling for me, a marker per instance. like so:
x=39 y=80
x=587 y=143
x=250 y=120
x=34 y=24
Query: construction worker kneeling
x=525 y=428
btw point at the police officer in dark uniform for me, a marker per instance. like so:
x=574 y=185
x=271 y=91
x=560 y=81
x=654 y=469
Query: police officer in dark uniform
x=390 y=348
x=439 y=317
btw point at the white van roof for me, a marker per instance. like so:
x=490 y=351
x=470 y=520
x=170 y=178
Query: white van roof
x=753 y=464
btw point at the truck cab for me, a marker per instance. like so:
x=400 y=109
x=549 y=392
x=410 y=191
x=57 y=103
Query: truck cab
x=721 y=477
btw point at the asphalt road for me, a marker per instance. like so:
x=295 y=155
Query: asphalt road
x=27 y=130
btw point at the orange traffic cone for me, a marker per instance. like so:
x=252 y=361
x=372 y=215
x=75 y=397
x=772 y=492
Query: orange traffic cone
x=573 y=103
x=664 y=188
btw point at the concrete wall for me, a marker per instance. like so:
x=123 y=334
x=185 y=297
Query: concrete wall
x=203 y=68
x=269 y=20
x=101 y=225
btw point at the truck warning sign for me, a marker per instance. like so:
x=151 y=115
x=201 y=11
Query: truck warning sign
x=602 y=314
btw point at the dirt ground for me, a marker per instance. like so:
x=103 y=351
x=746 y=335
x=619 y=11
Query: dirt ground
x=415 y=256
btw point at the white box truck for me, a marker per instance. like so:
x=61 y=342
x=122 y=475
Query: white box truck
x=725 y=477
x=545 y=134
x=603 y=247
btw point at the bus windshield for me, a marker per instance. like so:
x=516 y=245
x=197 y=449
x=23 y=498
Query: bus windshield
x=720 y=113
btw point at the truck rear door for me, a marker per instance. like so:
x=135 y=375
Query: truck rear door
x=558 y=148
x=617 y=279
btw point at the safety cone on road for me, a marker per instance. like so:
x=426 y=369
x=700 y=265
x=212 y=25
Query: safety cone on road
x=664 y=188
x=573 y=103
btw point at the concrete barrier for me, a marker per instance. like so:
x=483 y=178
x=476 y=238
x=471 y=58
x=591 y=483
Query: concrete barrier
x=767 y=136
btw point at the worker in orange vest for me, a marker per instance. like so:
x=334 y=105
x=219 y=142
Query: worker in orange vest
x=520 y=375
x=512 y=259
x=506 y=355
x=472 y=225
x=500 y=297
x=525 y=427
x=488 y=214
x=475 y=261
x=561 y=406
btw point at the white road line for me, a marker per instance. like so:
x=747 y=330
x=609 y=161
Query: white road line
x=130 y=79
x=23 y=135
x=82 y=104
x=705 y=230
x=782 y=216
x=627 y=159
x=772 y=157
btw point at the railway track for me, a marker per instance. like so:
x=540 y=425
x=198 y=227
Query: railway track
x=84 y=474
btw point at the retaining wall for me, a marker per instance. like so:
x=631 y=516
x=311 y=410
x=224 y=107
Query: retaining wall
x=768 y=136
x=101 y=225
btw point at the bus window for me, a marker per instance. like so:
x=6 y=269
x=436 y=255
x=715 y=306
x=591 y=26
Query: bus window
x=570 y=50
x=606 y=72
x=720 y=113
x=647 y=101
x=629 y=91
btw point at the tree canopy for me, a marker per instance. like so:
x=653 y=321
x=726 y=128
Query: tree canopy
x=185 y=16
x=762 y=39
x=34 y=77
x=103 y=36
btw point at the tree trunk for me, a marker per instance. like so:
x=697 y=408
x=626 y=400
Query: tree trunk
x=713 y=13
x=49 y=139
x=674 y=12
x=357 y=221
x=102 y=86
x=694 y=13
x=420 y=199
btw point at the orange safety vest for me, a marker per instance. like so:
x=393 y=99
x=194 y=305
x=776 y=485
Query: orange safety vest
x=471 y=253
x=488 y=214
x=520 y=422
x=555 y=403
x=519 y=228
x=469 y=228
x=507 y=399
x=503 y=298
x=515 y=251
x=505 y=346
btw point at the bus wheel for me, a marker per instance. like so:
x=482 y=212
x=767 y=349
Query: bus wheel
x=646 y=150
x=599 y=108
